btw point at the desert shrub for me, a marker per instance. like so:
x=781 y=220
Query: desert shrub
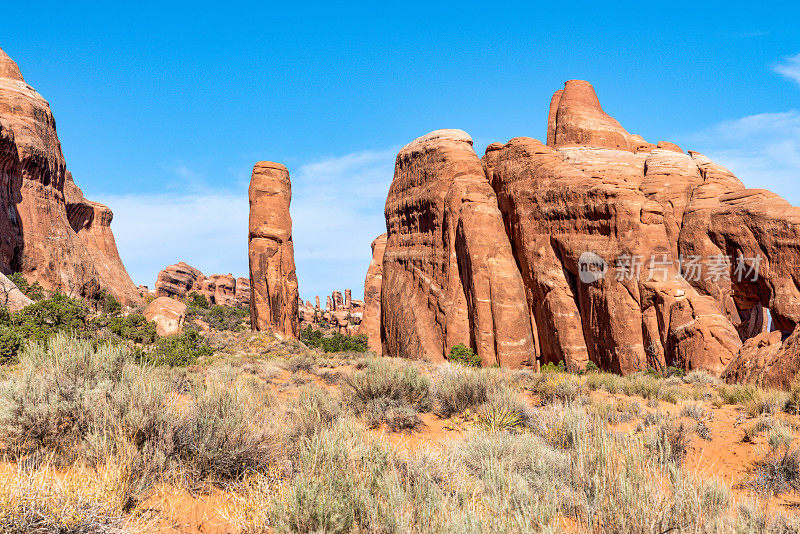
x=33 y=291
x=76 y=402
x=300 y=362
x=106 y=303
x=391 y=383
x=700 y=377
x=505 y=411
x=695 y=411
x=197 y=300
x=763 y=424
x=464 y=355
x=793 y=399
x=76 y=502
x=552 y=387
x=591 y=367
x=133 y=327
x=456 y=389
x=487 y=482
x=10 y=344
x=402 y=418
x=219 y=318
x=178 y=350
x=765 y=402
x=778 y=472
x=779 y=436
x=670 y=442
x=737 y=393
x=313 y=410
x=336 y=342
x=43 y=319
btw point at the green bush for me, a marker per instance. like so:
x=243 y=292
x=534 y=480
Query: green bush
x=197 y=300
x=43 y=319
x=179 y=350
x=33 y=291
x=464 y=355
x=334 y=343
x=10 y=344
x=134 y=327
x=218 y=317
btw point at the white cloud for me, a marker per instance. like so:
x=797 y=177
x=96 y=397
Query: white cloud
x=790 y=68
x=762 y=150
x=337 y=210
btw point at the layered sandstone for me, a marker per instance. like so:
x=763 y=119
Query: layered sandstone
x=629 y=254
x=449 y=276
x=50 y=232
x=179 y=280
x=371 y=322
x=273 y=282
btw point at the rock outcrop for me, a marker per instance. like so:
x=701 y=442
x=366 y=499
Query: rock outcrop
x=168 y=314
x=10 y=295
x=449 y=276
x=273 y=282
x=371 y=322
x=179 y=280
x=629 y=254
x=50 y=232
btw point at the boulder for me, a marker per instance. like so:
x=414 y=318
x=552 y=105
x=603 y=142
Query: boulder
x=10 y=295
x=273 y=281
x=168 y=314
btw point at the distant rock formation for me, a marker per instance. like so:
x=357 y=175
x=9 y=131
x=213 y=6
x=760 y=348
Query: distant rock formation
x=273 y=282
x=625 y=253
x=371 y=323
x=449 y=276
x=344 y=317
x=221 y=289
x=50 y=232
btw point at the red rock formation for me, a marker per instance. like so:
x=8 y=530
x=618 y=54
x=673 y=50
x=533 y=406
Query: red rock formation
x=578 y=214
x=767 y=360
x=49 y=232
x=371 y=322
x=273 y=282
x=177 y=280
x=449 y=276
x=338 y=302
x=316 y=302
x=555 y=214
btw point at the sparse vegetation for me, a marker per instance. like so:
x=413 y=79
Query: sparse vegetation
x=33 y=291
x=464 y=355
x=290 y=437
x=335 y=342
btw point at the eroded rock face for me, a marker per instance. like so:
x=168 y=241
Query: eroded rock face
x=273 y=282
x=168 y=314
x=177 y=280
x=371 y=322
x=49 y=231
x=607 y=231
x=449 y=276
x=556 y=213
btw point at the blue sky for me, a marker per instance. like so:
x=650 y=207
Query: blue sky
x=163 y=109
